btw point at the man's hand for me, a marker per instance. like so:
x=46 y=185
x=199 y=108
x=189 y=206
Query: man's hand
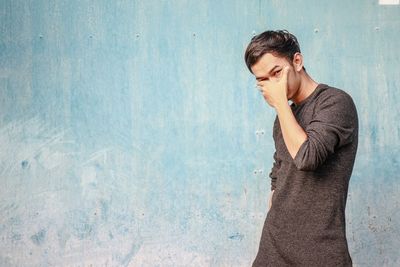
x=275 y=89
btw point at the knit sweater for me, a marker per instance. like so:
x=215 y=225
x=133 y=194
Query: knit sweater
x=306 y=223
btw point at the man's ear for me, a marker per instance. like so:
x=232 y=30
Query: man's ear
x=298 y=61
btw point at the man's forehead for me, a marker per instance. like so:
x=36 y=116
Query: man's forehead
x=270 y=60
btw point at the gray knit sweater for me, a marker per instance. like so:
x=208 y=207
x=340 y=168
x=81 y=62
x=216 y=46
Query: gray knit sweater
x=306 y=223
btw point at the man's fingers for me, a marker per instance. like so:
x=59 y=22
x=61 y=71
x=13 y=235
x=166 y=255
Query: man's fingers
x=285 y=72
x=260 y=86
x=261 y=83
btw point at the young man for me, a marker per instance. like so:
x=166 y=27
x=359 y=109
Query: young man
x=316 y=139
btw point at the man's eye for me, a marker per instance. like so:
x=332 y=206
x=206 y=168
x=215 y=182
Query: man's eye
x=277 y=72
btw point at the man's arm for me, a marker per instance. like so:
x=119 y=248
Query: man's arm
x=336 y=119
x=293 y=135
x=335 y=124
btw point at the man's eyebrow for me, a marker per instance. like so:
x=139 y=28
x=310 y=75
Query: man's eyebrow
x=276 y=66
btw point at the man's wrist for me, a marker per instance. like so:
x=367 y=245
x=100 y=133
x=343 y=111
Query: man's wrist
x=281 y=105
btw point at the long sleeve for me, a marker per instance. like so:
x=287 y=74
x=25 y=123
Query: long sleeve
x=334 y=124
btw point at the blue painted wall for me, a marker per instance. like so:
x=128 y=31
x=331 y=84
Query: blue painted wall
x=131 y=133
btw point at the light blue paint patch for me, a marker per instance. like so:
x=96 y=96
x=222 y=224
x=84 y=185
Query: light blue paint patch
x=110 y=235
x=236 y=236
x=24 y=164
x=373 y=134
x=104 y=210
x=63 y=237
x=98 y=167
x=16 y=237
x=132 y=252
x=39 y=237
x=83 y=230
x=81 y=225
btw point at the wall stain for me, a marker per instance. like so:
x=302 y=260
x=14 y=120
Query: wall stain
x=236 y=236
x=39 y=237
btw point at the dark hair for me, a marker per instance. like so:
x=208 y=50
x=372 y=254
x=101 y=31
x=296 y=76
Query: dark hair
x=281 y=43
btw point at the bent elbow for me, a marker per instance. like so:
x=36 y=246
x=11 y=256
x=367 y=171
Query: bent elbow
x=304 y=160
x=310 y=156
x=305 y=165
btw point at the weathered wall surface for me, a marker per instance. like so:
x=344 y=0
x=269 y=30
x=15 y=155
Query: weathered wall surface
x=131 y=133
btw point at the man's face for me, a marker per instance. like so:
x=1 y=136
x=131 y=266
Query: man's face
x=270 y=67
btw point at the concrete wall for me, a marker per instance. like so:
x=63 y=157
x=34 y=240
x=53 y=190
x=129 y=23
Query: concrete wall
x=131 y=133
